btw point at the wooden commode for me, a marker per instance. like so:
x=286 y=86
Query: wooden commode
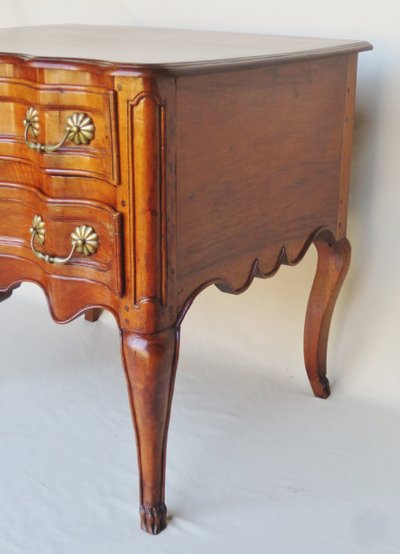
x=139 y=166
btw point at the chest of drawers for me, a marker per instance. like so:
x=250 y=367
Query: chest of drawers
x=138 y=166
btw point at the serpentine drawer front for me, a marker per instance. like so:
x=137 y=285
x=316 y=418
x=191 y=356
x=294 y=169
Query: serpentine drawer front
x=33 y=226
x=42 y=111
x=136 y=169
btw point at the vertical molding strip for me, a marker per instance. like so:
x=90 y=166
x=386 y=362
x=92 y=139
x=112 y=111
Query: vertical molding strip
x=149 y=260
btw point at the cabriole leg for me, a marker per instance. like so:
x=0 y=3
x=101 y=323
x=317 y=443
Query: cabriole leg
x=150 y=366
x=333 y=263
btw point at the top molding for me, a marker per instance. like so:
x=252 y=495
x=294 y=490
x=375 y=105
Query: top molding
x=140 y=50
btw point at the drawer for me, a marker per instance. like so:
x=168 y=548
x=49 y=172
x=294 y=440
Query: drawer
x=53 y=110
x=62 y=230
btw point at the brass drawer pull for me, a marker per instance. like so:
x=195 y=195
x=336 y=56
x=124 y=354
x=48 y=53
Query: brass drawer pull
x=84 y=240
x=79 y=129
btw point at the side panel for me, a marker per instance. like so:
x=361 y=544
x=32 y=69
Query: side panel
x=259 y=167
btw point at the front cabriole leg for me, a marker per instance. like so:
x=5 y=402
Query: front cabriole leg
x=148 y=316
x=150 y=364
x=333 y=263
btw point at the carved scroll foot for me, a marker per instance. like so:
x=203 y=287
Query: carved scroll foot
x=150 y=366
x=93 y=314
x=6 y=294
x=333 y=263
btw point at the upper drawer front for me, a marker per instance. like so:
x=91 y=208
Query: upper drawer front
x=54 y=105
x=23 y=209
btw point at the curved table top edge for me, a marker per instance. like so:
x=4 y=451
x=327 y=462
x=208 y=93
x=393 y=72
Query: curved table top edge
x=115 y=67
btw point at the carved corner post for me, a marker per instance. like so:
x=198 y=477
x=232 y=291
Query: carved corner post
x=148 y=315
x=334 y=254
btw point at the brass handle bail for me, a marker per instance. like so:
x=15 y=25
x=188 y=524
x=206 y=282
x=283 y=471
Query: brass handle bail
x=84 y=240
x=79 y=129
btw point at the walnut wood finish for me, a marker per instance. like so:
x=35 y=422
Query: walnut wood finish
x=172 y=50
x=96 y=160
x=19 y=204
x=150 y=364
x=230 y=211
x=333 y=264
x=204 y=169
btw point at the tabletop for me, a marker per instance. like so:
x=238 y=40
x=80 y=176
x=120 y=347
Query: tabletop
x=156 y=46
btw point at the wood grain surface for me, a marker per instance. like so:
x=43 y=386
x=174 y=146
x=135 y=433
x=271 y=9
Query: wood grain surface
x=171 y=49
x=260 y=157
x=216 y=158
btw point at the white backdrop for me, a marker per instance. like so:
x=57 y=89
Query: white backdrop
x=253 y=459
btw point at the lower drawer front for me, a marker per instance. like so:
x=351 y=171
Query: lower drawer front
x=62 y=227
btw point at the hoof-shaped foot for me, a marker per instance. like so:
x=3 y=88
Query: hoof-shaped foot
x=93 y=314
x=153 y=519
x=321 y=388
x=6 y=294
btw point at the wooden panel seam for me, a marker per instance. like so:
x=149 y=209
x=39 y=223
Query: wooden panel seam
x=347 y=139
